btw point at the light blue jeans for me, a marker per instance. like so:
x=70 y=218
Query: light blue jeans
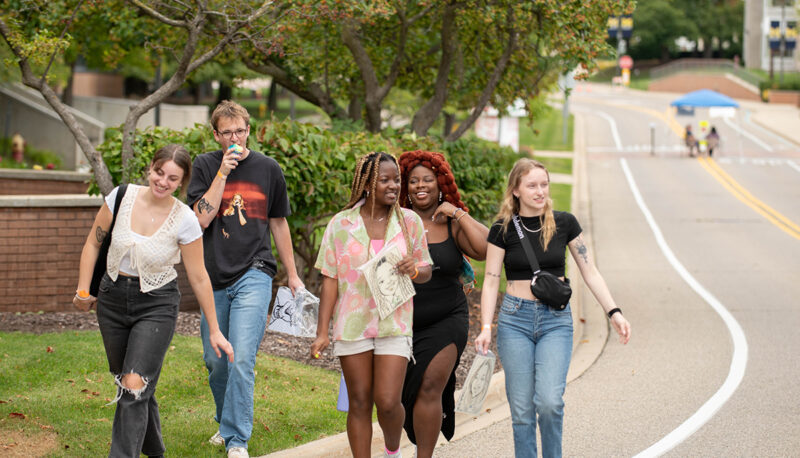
x=242 y=310
x=535 y=346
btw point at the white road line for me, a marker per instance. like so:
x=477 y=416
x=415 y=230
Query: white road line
x=749 y=119
x=748 y=135
x=738 y=360
x=614 y=131
x=793 y=165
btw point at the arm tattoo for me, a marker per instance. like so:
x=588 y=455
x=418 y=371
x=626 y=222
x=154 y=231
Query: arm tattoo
x=100 y=234
x=493 y=274
x=204 y=205
x=583 y=252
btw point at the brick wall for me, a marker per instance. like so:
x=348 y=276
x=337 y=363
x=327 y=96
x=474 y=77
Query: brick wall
x=788 y=97
x=40 y=248
x=687 y=82
x=16 y=186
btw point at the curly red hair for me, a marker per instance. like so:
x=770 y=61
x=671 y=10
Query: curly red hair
x=436 y=163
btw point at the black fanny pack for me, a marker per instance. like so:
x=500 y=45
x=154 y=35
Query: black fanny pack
x=545 y=286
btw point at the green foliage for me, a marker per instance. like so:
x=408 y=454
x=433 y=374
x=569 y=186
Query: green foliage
x=546 y=131
x=31 y=157
x=318 y=165
x=61 y=384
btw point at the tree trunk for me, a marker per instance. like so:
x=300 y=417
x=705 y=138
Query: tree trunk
x=428 y=113
x=449 y=120
x=272 y=96
x=68 y=98
x=491 y=84
x=225 y=92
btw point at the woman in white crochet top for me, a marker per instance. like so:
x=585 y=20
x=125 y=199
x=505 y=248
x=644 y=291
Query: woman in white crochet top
x=138 y=298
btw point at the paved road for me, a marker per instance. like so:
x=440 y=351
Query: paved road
x=733 y=379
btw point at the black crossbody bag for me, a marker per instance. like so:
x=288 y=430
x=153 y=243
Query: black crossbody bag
x=102 y=255
x=545 y=286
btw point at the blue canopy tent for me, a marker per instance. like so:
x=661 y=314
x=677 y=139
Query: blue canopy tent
x=706 y=98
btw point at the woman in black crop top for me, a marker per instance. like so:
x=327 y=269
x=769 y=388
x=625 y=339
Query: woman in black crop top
x=441 y=316
x=534 y=341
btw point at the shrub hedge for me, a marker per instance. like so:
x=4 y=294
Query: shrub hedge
x=318 y=164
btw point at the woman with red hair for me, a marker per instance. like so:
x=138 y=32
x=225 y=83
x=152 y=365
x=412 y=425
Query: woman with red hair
x=441 y=316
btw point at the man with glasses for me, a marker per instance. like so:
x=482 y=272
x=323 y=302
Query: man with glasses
x=240 y=198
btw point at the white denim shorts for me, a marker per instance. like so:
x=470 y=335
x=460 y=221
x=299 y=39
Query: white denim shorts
x=392 y=345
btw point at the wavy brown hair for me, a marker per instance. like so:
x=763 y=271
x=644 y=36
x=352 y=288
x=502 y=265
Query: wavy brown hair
x=510 y=205
x=437 y=163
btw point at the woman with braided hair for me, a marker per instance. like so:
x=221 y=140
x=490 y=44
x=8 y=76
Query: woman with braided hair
x=441 y=316
x=373 y=352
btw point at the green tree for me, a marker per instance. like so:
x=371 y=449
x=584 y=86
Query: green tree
x=188 y=33
x=347 y=56
x=657 y=24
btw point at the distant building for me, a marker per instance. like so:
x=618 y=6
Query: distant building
x=759 y=18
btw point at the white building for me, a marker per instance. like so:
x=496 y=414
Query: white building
x=759 y=15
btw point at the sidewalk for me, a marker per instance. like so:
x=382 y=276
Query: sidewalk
x=473 y=432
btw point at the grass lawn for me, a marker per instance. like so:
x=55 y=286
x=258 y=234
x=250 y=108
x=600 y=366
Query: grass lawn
x=55 y=388
x=548 y=133
x=562 y=200
x=556 y=164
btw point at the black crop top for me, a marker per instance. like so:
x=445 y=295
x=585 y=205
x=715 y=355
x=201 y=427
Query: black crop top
x=516 y=263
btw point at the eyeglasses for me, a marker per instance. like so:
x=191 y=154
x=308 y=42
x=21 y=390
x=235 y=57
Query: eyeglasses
x=228 y=134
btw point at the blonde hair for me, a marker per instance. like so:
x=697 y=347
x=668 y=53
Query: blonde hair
x=510 y=205
x=365 y=181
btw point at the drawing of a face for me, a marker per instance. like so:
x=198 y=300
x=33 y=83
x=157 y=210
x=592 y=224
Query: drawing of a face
x=480 y=382
x=387 y=279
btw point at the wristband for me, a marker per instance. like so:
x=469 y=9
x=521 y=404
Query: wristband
x=486 y=326
x=613 y=311
x=82 y=294
x=219 y=174
x=416 y=273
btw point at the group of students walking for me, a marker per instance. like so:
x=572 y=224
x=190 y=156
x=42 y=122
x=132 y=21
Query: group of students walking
x=403 y=364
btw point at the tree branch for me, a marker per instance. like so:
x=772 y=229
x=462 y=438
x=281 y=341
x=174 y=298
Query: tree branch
x=158 y=16
x=427 y=114
x=101 y=173
x=494 y=79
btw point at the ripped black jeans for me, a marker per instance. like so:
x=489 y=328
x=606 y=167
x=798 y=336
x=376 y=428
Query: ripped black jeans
x=137 y=329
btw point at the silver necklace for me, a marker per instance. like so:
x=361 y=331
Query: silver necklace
x=523 y=226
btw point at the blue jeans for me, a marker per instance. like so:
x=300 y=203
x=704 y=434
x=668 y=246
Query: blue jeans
x=242 y=310
x=534 y=342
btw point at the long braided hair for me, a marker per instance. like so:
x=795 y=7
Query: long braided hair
x=437 y=163
x=365 y=181
x=510 y=204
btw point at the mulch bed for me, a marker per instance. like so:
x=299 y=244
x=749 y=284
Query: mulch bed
x=295 y=348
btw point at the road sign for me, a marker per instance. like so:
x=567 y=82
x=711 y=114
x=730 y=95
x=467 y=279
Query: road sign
x=626 y=61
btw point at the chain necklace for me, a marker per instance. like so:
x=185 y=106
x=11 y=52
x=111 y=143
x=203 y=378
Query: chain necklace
x=523 y=226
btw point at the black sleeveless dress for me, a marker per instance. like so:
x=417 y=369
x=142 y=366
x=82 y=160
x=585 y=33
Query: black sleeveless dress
x=441 y=318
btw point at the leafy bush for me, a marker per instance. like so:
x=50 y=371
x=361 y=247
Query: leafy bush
x=318 y=164
x=31 y=157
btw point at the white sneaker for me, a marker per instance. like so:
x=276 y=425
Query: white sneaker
x=238 y=452
x=216 y=439
x=396 y=455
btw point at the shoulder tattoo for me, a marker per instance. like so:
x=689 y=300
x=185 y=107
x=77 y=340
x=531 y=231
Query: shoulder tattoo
x=203 y=205
x=100 y=234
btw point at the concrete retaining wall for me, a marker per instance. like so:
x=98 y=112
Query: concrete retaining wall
x=113 y=112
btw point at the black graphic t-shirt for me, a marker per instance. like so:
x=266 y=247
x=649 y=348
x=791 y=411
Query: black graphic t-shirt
x=239 y=236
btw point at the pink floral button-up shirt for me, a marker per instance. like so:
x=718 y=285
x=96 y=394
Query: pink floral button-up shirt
x=345 y=247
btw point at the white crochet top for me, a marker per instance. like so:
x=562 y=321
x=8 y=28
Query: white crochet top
x=151 y=258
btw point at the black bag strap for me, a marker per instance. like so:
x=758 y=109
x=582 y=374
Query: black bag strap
x=117 y=202
x=527 y=247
